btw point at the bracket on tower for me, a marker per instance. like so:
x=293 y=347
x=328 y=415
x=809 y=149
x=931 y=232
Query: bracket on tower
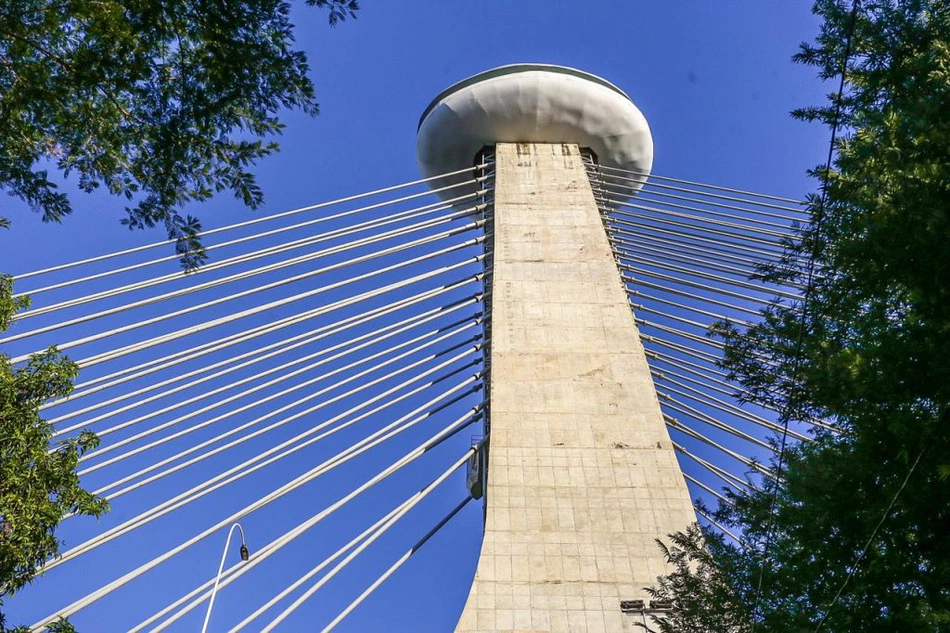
x=475 y=469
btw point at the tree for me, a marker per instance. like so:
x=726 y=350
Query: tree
x=37 y=486
x=162 y=102
x=61 y=625
x=701 y=585
x=861 y=514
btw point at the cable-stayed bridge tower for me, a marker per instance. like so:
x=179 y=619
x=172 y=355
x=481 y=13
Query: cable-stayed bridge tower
x=582 y=477
x=345 y=378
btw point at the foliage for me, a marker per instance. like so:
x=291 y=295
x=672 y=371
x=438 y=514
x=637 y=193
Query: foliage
x=701 y=585
x=870 y=350
x=61 y=625
x=162 y=102
x=37 y=486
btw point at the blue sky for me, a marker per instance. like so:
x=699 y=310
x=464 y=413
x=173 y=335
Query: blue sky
x=714 y=80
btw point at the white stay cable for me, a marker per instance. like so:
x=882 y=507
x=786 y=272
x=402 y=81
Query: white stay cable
x=693 y=284
x=634 y=240
x=446 y=204
x=627 y=233
x=259 y=503
x=689 y=295
x=702 y=326
x=770 y=246
x=643 y=176
x=736 y=283
x=309 y=432
x=668 y=402
x=309 y=396
x=416 y=499
x=394 y=567
x=752 y=213
x=229 y=227
x=728 y=478
x=280 y=302
x=350 y=452
x=201 y=396
x=257 y=271
x=623 y=223
x=673 y=423
x=689 y=351
x=749 y=212
x=270 y=548
x=723 y=529
x=254 y=358
x=690 y=336
x=468 y=418
x=662 y=372
x=329 y=423
x=307 y=576
x=260 y=555
x=705 y=381
x=682 y=306
x=226 y=387
x=257 y=355
x=239 y=471
x=717 y=387
x=682 y=363
x=705 y=487
x=145 y=368
x=728 y=408
x=149 y=367
x=360 y=228
x=705 y=219
x=677 y=257
x=269 y=327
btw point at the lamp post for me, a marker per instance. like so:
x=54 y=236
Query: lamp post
x=244 y=556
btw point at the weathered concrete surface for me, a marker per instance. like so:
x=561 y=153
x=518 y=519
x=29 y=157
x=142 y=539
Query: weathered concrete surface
x=582 y=476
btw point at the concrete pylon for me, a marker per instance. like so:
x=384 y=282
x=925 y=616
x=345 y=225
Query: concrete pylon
x=582 y=477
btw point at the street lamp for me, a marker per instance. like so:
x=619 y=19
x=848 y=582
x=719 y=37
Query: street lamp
x=245 y=555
